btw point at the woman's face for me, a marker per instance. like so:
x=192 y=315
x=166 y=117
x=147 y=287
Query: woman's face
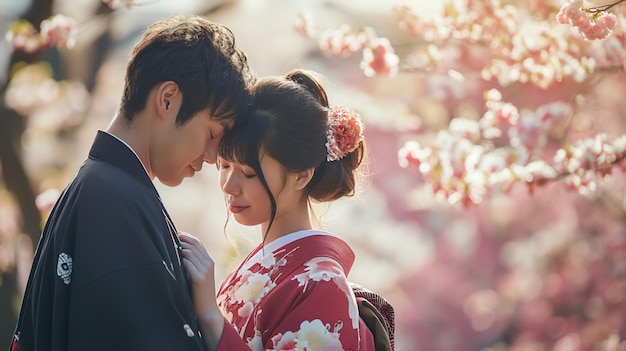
x=246 y=197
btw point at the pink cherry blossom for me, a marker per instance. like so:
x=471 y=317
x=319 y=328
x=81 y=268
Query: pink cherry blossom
x=46 y=200
x=379 y=59
x=342 y=41
x=59 y=31
x=471 y=159
x=304 y=25
x=591 y=24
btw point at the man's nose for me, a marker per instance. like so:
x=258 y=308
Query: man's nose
x=210 y=155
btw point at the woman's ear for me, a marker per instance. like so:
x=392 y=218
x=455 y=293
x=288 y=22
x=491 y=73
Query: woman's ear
x=303 y=178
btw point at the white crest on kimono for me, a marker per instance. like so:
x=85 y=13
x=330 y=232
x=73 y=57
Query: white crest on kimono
x=312 y=336
x=64 y=267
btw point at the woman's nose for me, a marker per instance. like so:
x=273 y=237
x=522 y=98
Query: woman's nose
x=231 y=185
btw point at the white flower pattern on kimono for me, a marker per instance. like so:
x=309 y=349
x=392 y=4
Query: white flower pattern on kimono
x=256 y=342
x=254 y=287
x=245 y=310
x=272 y=261
x=318 y=269
x=221 y=303
x=268 y=261
x=327 y=269
x=312 y=336
x=285 y=342
x=242 y=299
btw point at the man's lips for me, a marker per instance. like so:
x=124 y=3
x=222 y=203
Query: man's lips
x=190 y=171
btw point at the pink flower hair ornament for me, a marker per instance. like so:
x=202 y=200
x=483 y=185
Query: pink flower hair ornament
x=344 y=133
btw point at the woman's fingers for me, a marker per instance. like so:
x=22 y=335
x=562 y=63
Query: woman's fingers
x=191 y=269
x=196 y=259
x=194 y=245
x=186 y=237
x=198 y=255
x=200 y=267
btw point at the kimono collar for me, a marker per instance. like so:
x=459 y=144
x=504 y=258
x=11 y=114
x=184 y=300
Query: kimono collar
x=108 y=148
x=313 y=244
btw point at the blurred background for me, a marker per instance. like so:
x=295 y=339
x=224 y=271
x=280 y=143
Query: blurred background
x=528 y=269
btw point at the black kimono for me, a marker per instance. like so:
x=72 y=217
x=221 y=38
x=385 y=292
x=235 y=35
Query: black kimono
x=108 y=271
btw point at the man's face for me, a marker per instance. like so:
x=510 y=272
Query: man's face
x=179 y=151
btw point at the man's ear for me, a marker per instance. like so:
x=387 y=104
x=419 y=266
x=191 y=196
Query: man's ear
x=303 y=178
x=168 y=98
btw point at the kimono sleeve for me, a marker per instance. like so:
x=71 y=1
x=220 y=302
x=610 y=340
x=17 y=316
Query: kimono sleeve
x=231 y=340
x=323 y=311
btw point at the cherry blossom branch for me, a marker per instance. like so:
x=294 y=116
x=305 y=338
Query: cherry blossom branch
x=59 y=30
x=610 y=69
x=602 y=8
x=594 y=23
x=601 y=168
x=379 y=58
x=472 y=158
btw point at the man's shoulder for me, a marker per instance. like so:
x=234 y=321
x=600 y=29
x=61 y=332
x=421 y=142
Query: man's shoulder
x=102 y=172
x=102 y=195
x=96 y=178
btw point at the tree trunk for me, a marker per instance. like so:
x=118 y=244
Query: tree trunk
x=16 y=180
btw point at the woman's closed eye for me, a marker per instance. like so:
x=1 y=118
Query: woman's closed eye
x=248 y=174
x=222 y=164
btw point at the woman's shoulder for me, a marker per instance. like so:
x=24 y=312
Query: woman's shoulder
x=315 y=249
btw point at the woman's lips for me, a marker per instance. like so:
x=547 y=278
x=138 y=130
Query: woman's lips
x=236 y=208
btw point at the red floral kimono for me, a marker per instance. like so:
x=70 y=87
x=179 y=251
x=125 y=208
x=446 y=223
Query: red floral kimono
x=293 y=294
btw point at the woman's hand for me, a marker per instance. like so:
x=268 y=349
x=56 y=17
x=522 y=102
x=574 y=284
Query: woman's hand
x=201 y=269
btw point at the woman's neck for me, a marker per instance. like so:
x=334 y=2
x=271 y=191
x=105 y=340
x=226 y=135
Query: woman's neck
x=284 y=225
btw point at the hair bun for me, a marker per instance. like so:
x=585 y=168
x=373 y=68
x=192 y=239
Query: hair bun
x=309 y=82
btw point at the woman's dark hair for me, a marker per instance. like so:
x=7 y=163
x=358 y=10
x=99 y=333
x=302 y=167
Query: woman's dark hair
x=288 y=121
x=197 y=54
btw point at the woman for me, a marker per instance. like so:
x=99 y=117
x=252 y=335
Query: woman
x=291 y=292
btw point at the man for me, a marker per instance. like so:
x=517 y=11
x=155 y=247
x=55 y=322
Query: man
x=107 y=273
